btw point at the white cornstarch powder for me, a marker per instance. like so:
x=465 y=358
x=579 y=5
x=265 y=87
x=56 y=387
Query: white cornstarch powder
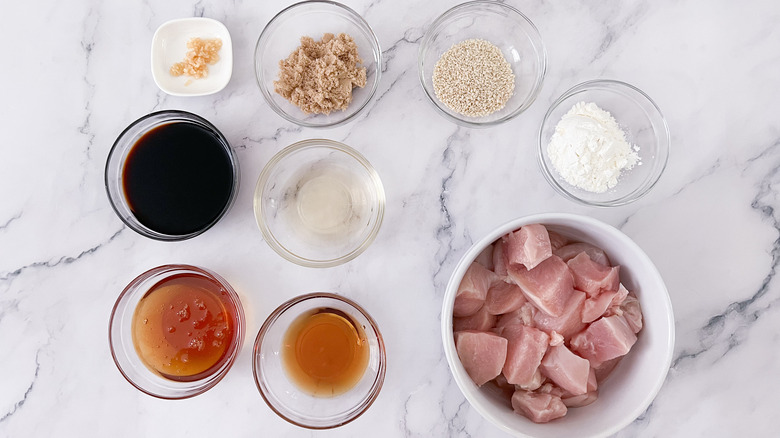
x=589 y=150
x=473 y=78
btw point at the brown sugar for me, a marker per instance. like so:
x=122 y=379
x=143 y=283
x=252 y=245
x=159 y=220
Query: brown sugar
x=318 y=76
x=201 y=54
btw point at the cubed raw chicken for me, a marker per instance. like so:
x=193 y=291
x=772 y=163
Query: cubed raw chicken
x=548 y=286
x=499 y=258
x=604 y=339
x=523 y=315
x=578 y=401
x=599 y=305
x=569 y=322
x=571 y=250
x=485 y=258
x=503 y=298
x=529 y=246
x=556 y=240
x=525 y=350
x=591 y=277
x=539 y=408
x=632 y=312
x=473 y=290
x=482 y=354
x=566 y=369
x=482 y=321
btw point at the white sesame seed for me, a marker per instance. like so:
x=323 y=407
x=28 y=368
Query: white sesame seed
x=473 y=78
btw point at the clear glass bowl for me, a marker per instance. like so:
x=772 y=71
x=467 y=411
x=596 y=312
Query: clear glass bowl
x=297 y=406
x=283 y=34
x=117 y=157
x=120 y=335
x=319 y=203
x=510 y=31
x=641 y=120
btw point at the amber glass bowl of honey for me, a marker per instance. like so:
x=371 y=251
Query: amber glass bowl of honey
x=176 y=330
x=319 y=361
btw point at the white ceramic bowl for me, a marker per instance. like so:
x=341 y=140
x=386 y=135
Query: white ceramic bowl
x=169 y=46
x=633 y=384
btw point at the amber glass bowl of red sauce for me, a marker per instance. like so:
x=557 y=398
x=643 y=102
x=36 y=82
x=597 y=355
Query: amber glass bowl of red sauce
x=176 y=330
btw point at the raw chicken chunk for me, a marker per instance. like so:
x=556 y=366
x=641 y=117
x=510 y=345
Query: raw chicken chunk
x=605 y=339
x=632 y=312
x=525 y=350
x=482 y=321
x=548 y=286
x=538 y=407
x=571 y=250
x=599 y=305
x=529 y=246
x=570 y=321
x=556 y=240
x=473 y=290
x=566 y=369
x=523 y=315
x=499 y=258
x=504 y=298
x=591 y=277
x=485 y=258
x=482 y=354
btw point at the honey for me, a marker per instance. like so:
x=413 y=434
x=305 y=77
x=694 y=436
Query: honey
x=325 y=353
x=183 y=327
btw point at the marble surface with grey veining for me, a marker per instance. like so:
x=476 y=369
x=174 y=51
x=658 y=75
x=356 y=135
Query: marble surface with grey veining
x=76 y=73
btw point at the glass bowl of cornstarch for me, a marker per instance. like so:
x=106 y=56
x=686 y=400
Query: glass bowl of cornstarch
x=603 y=143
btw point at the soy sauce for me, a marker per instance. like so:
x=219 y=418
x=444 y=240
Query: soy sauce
x=178 y=178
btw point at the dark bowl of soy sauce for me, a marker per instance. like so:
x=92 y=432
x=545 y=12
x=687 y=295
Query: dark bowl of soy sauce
x=171 y=175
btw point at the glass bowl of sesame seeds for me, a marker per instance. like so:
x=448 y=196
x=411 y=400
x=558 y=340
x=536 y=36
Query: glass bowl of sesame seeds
x=603 y=143
x=482 y=63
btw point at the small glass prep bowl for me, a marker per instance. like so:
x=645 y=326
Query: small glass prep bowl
x=117 y=157
x=302 y=233
x=641 y=120
x=295 y=405
x=505 y=27
x=120 y=335
x=282 y=35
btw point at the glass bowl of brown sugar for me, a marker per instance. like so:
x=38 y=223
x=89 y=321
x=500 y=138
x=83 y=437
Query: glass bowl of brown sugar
x=318 y=64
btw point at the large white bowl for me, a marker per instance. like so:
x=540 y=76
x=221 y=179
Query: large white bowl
x=633 y=384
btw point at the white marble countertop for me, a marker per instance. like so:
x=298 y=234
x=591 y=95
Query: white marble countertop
x=76 y=73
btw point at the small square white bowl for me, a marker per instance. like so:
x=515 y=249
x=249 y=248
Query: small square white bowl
x=169 y=46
